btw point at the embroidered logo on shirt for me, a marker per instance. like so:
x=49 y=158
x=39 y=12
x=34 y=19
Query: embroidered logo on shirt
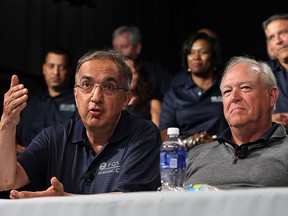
x=216 y=99
x=67 y=107
x=109 y=167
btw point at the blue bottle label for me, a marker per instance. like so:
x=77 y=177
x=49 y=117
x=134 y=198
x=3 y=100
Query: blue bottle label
x=168 y=160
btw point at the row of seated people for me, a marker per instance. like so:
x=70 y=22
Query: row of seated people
x=171 y=107
x=128 y=41
x=195 y=105
x=109 y=150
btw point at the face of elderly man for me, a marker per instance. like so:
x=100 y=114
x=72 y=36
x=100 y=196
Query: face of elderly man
x=247 y=101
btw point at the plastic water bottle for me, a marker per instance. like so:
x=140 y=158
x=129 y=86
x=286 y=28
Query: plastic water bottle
x=172 y=162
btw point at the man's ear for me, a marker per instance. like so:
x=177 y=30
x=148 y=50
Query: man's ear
x=128 y=97
x=274 y=95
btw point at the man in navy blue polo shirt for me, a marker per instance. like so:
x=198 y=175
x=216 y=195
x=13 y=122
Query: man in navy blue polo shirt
x=105 y=150
x=276 y=32
x=57 y=104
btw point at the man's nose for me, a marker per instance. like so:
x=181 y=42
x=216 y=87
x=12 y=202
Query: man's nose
x=56 y=70
x=235 y=95
x=96 y=93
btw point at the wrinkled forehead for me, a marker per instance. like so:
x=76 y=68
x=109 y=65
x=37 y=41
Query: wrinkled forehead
x=99 y=69
x=240 y=73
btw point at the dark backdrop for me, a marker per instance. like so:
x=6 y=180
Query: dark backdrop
x=28 y=27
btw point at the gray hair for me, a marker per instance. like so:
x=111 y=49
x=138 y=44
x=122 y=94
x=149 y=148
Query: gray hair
x=113 y=55
x=274 y=18
x=259 y=67
x=134 y=32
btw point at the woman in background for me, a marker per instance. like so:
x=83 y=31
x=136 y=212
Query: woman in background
x=141 y=104
x=195 y=106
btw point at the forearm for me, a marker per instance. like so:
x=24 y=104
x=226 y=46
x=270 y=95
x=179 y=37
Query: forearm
x=14 y=102
x=8 y=162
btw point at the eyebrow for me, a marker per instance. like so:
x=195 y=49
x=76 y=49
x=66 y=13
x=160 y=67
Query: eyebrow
x=240 y=83
x=106 y=79
x=85 y=77
x=110 y=78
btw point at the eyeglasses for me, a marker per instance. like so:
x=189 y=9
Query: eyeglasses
x=107 y=88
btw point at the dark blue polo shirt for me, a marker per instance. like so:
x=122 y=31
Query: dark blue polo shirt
x=128 y=162
x=180 y=78
x=42 y=111
x=187 y=107
x=282 y=83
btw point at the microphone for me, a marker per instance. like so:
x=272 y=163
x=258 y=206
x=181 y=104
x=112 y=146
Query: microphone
x=89 y=177
x=242 y=151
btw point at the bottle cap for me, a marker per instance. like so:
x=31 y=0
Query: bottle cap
x=173 y=130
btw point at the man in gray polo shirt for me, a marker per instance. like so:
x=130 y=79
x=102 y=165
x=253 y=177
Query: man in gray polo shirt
x=253 y=151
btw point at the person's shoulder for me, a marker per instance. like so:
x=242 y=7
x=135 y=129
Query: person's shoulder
x=205 y=148
x=136 y=128
x=279 y=132
x=139 y=122
x=35 y=103
x=68 y=93
x=179 y=78
x=137 y=125
x=34 y=98
x=177 y=90
x=273 y=64
x=65 y=127
x=59 y=134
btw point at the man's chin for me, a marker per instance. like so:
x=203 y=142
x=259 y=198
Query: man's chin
x=57 y=88
x=237 y=123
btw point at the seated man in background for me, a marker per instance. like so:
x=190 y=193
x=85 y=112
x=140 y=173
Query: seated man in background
x=276 y=32
x=105 y=150
x=57 y=104
x=253 y=151
x=128 y=40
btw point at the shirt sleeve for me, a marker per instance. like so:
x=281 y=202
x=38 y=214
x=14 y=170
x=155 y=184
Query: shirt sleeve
x=33 y=160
